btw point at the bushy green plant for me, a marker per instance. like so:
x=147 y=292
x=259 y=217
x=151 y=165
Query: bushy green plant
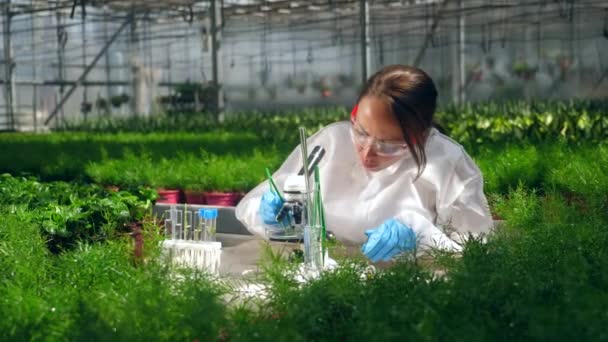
x=69 y=213
x=510 y=165
x=475 y=125
x=95 y=292
x=471 y=124
x=65 y=156
x=200 y=171
x=539 y=277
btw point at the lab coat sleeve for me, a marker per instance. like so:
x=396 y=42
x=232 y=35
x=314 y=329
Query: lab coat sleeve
x=247 y=211
x=462 y=208
x=428 y=235
x=469 y=212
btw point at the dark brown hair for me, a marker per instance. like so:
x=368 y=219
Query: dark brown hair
x=412 y=97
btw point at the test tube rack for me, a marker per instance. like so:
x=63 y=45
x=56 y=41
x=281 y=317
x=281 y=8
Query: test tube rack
x=190 y=239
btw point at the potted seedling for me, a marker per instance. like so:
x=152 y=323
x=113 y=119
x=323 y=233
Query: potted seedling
x=194 y=177
x=168 y=195
x=194 y=193
x=223 y=175
x=223 y=198
x=101 y=174
x=166 y=180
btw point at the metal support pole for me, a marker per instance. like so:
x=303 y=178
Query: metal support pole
x=169 y=76
x=188 y=49
x=133 y=61
x=85 y=95
x=365 y=40
x=539 y=37
x=9 y=67
x=430 y=33
x=88 y=69
x=575 y=48
x=62 y=38
x=34 y=69
x=462 y=53
x=216 y=60
x=107 y=55
x=148 y=43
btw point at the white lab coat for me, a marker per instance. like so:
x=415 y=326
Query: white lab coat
x=444 y=205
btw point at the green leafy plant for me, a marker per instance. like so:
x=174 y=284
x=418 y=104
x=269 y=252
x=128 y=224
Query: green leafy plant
x=69 y=213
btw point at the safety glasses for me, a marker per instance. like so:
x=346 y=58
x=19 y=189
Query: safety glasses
x=382 y=148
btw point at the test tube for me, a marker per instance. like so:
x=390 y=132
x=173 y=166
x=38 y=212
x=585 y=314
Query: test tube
x=196 y=224
x=176 y=217
x=201 y=229
x=212 y=213
x=207 y=231
x=168 y=226
x=172 y=224
x=188 y=225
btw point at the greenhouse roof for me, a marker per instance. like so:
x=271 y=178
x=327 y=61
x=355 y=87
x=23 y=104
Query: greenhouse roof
x=191 y=10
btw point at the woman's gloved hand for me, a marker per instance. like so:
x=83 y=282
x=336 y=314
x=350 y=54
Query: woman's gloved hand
x=389 y=239
x=270 y=205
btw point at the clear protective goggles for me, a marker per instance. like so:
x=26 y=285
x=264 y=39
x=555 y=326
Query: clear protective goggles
x=382 y=148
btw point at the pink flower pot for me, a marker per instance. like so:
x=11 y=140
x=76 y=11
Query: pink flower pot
x=226 y=199
x=195 y=197
x=170 y=196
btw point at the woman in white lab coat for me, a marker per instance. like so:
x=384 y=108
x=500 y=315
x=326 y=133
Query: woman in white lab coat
x=389 y=179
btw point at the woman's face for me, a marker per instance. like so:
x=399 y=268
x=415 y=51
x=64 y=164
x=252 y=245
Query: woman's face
x=377 y=135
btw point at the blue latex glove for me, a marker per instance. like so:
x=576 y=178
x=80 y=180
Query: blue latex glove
x=269 y=207
x=389 y=239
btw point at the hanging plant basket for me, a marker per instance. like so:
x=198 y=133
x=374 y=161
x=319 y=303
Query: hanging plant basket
x=102 y=104
x=119 y=100
x=86 y=107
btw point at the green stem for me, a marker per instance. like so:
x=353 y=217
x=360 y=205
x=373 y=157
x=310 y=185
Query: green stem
x=319 y=207
x=273 y=186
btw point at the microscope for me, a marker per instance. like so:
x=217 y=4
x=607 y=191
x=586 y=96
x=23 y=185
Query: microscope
x=293 y=215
